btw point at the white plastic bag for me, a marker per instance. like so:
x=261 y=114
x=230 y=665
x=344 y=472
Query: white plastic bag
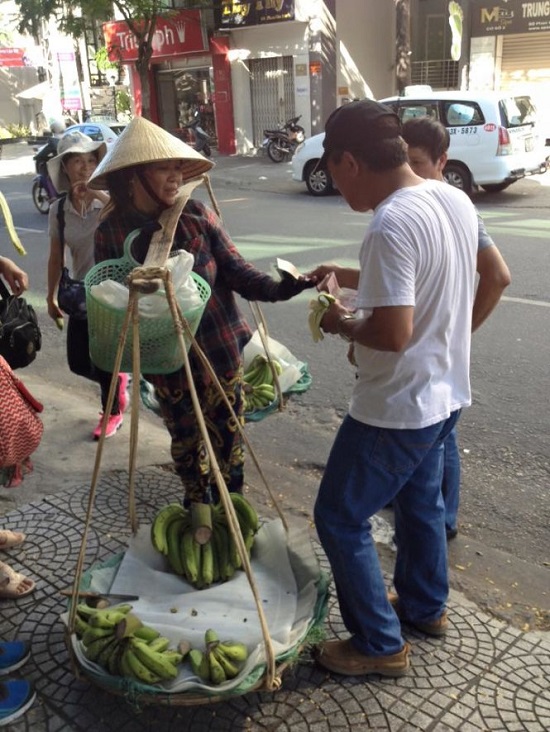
x=292 y=367
x=155 y=305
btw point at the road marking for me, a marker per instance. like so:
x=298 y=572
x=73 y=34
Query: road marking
x=30 y=231
x=525 y=301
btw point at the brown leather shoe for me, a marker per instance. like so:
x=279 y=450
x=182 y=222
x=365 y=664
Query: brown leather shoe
x=342 y=657
x=437 y=627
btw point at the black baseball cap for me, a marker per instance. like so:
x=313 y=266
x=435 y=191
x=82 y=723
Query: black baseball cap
x=353 y=126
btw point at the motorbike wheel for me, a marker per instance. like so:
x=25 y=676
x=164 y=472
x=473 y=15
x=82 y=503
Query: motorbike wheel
x=275 y=153
x=40 y=197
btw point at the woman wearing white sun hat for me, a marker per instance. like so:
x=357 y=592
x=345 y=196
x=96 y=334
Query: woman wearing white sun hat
x=143 y=173
x=72 y=222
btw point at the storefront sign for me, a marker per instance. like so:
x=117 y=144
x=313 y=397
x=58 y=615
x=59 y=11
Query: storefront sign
x=509 y=16
x=69 y=90
x=13 y=58
x=175 y=35
x=234 y=14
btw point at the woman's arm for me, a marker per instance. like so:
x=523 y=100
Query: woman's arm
x=241 y=276
x=14 y=276
x=55 y=262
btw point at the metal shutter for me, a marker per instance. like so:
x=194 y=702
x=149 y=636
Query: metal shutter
x=525 y=58
x=272 y=93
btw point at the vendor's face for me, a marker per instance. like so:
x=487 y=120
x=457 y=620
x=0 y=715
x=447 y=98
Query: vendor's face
x=165 y=178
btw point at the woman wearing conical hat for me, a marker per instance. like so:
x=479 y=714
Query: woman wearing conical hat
x=143 y=173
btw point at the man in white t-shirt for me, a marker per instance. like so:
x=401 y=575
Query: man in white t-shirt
x=411 y=331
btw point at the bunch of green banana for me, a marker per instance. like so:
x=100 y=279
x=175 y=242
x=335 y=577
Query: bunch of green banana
x=169 y=518
x=215 y=558
x=173 y=534
x=92 y=623
x=220 y=661
x=117 y=640
x=259 y=390
x=258 y=397
x=225 y=545
x=148 y=662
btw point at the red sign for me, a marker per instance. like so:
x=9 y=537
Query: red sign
x=175 y=35
x=489 y=127
x=13 y=57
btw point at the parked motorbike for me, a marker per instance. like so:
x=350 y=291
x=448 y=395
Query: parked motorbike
x=43 y=189
x=202 y=139
x=282 y=142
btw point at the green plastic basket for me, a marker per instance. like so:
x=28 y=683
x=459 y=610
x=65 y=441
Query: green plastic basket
x=160 y=350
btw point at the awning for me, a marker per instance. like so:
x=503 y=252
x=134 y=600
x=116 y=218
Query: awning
x=38 y=91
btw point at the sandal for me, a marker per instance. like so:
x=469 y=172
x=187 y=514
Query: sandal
x=9 y=539
x=13 y=584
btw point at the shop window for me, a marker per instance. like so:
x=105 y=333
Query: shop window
x=193 y=92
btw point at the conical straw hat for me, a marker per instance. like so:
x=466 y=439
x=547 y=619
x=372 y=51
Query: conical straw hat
x=143 y=142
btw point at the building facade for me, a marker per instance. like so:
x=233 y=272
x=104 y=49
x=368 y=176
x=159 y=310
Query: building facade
x=510 y=48
x=505 y=46
x=262 y=62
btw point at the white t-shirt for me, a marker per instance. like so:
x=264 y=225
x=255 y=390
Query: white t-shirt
x=79 y=234
x=420 y=249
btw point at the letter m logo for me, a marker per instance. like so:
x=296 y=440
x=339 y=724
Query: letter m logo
x=490 y=15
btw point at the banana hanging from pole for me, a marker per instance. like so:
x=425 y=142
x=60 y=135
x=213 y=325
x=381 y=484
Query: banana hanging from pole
x=6 y=213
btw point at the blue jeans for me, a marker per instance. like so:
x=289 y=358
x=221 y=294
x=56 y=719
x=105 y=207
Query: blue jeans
x=368 y=467
x=450 y=486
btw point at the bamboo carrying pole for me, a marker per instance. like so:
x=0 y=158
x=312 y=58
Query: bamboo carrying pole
x=147 y=279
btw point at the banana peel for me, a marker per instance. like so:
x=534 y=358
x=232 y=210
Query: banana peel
x=6 y=213
x=317 y=310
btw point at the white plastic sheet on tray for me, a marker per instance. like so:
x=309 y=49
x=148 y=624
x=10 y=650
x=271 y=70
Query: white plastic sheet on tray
x=286 y=572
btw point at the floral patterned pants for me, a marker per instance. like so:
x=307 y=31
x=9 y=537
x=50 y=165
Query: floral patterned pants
x=189 y=451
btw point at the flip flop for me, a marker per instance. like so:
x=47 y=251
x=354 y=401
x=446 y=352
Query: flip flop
x=9 y=539
x=13 y=584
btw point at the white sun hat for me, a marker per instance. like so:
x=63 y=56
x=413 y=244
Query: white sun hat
x=144 y=142
x=72 y=142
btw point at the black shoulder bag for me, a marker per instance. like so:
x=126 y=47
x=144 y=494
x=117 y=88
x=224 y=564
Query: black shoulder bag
x=20 y=336
x=71 y=294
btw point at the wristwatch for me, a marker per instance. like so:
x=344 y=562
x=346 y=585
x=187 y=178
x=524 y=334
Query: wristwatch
x=343 y=318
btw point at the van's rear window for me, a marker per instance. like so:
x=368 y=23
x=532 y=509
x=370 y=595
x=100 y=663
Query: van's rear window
x=517 y=111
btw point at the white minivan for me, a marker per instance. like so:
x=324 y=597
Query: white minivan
x=496 y=139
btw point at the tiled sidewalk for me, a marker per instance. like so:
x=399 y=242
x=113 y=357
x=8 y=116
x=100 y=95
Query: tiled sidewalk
x=485 y=675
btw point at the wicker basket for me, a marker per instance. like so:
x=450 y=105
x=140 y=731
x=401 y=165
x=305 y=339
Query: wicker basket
x=160 y=351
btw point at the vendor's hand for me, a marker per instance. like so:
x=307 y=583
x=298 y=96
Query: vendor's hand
x=330 y=322
x=290 y=286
